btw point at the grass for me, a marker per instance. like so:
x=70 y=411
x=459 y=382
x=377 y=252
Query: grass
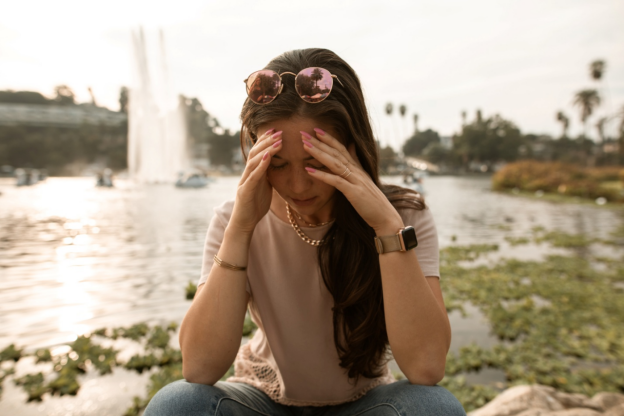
x=561 y=182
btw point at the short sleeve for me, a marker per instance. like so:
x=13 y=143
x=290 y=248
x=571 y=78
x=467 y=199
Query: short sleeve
x=427 y=251
x=214 y=238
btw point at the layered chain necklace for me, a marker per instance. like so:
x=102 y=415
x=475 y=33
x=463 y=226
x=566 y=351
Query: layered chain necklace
x=298 y=230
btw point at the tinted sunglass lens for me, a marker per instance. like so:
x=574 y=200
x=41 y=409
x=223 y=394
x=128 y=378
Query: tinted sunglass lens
x=313 y=84
x=263 y=86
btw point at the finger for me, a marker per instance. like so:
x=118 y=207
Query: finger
x=253 y=162
x=259 y=172
x=334 y=180
x=335 y=143
x=335 y=153
x=264 y=141
x=334 y=163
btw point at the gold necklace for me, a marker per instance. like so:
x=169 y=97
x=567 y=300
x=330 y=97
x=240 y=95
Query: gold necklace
x=307 y=223
x=298 y=230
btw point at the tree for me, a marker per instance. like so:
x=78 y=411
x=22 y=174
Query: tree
x=586 y=100
x=600 y=128
x=565 y=123
x=415 y=145
x=488 y=141
x=22 y=97
x=123 y=99
x=64 y=95
x=415 y=118
x=387 y=158
x=596 y=69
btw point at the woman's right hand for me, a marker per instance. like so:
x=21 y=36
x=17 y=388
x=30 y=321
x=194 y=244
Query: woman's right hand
x=254 y=193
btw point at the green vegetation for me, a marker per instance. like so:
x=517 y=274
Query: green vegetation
x=562 y=179
x=560 y=322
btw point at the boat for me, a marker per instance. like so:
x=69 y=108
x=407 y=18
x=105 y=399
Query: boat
x=192 y=180
x=414 y=180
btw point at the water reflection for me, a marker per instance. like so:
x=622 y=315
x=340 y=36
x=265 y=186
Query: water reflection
x=74 y=258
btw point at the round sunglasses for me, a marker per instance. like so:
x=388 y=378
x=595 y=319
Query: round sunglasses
x=312 y=84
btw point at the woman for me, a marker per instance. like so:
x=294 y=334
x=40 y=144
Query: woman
x=323 y=254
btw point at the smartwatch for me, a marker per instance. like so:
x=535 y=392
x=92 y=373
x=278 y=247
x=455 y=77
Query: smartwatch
x=404 y=240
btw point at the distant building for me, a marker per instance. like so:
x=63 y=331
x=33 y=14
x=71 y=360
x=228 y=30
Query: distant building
x=58 y=115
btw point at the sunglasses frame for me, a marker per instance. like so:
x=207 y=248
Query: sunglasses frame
x=281 y=87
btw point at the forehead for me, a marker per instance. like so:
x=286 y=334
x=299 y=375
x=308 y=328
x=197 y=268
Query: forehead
x=292 y=146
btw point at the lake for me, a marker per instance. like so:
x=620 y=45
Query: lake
x=75 y=258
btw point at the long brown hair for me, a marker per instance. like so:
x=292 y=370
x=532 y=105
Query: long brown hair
x=349 y=262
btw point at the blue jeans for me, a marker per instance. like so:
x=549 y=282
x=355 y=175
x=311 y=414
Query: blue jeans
x=238 y=399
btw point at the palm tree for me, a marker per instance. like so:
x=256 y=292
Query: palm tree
x=565 y=122
x=586 y=100
x=389 y=109
x=600 y=128
x=596 y=69
x=415 y=123
x=402 y=111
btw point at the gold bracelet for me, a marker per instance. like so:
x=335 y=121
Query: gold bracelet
x=227 y=265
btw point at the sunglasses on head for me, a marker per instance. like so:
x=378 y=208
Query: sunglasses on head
x=312 y=84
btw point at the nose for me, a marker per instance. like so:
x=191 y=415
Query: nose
x=300 y=181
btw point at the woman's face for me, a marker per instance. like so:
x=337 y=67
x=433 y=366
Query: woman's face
x=287 y=174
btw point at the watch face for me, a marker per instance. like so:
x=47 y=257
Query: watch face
x=409 y=238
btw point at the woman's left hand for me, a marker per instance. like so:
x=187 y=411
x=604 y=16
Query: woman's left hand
x=358 y=187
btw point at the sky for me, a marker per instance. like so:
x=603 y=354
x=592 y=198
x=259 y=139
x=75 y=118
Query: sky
x=523 y=59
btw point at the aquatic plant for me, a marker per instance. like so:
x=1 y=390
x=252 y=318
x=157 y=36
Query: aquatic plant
x=559 y=322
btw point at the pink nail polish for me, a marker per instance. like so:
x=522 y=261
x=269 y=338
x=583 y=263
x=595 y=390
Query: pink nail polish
x=277 y=143
x=306 y=135
x=311 y=170
x=276 y=134
x=319 y=131
x=269 y=132
x=307 y=143
x=265 y=156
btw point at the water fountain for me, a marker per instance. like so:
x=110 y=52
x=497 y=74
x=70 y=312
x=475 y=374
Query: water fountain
x=157 y=140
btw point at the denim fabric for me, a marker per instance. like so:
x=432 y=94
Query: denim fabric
x=238 y=399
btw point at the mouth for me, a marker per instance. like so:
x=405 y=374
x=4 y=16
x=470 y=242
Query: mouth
x=304 y=202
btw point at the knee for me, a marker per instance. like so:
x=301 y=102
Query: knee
x=182 y=397
x=425 y=400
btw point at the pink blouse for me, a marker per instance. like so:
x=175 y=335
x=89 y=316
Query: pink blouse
x=292 y=357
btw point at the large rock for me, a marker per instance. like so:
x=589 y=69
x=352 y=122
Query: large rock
x=605 y=401
x=537 y=400
x=516 y=400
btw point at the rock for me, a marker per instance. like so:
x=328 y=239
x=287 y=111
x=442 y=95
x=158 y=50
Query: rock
x=536 y=400
x=575 y=412
x=615 y=411
x=534 y=412
x=571 y=401
x=606 y=400
x=518 y=399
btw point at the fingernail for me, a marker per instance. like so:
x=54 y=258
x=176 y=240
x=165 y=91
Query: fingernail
x=276 y=134
x=269 y=131
x=308 y=143
x=306 y=135
x=311 y=170
x=266 y=154
x=319 y=131
x=277 y=143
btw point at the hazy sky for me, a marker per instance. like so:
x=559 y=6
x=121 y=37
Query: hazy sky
x=522 y=59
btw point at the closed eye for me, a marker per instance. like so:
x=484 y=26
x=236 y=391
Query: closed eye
x=277 y=167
